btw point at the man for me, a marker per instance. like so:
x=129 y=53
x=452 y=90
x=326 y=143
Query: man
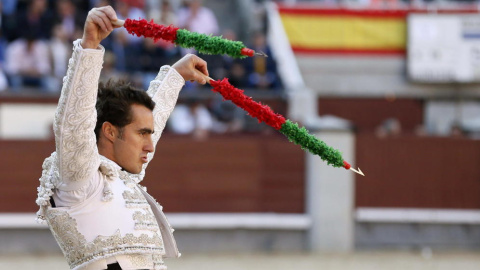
x=89 y=193
x=27 y=63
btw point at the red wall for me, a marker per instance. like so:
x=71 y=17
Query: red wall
x=420 y=172
x=223 y=174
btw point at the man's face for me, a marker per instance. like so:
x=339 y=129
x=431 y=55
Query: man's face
x=135 y=140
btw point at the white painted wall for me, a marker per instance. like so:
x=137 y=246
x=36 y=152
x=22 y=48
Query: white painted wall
x=26 y=121
x=330 y=196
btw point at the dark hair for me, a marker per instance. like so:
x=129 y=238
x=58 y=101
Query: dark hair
x=114 y=102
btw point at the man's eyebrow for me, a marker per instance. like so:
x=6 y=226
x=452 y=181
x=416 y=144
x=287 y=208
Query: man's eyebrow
x=146 y=130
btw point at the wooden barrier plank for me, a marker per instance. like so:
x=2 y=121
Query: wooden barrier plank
x=419 y=172
x=221 y=174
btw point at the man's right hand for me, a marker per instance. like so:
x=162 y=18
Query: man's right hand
x=98 y=26
x=192 y=68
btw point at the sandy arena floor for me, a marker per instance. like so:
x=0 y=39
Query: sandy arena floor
x=464 y=260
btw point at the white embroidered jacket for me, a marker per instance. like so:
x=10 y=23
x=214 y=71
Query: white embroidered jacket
x=102 y=214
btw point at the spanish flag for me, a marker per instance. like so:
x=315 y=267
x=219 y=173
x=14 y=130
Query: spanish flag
x=315 y=30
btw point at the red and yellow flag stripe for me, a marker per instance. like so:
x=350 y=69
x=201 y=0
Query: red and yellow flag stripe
x=317 y=30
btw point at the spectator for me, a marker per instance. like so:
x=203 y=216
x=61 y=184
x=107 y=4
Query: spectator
x=109 y=71
x=166 y=17
x=100 y=3
x=3 y=45
x=3 y=77
x=222 y=66
x=69 y=18
x=229 y=34
x=3 y=81
x=82 y=7
x=391 y=127
x=167 y=14
x=8 y=19
x=59 y=46
x=127 y=47
x=456 y=130
x=8 y=7
x=191 y=118
x=164 y=14
x=194 y=17
x=28 y=63
x=228 y=118
x=36 y=20
x=151 y=54
x=262 y=71
x=237 y=74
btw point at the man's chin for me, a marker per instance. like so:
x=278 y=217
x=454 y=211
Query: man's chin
x=134 y=171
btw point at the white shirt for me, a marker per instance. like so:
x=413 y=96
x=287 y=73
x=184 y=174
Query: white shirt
x=204 y=21
x=19 y=59
x=184 y=121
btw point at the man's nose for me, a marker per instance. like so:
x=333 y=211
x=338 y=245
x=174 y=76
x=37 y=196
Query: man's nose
x=148 y=145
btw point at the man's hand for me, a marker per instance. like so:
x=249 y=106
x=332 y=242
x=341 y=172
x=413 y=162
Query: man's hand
x=98 y=26
x=192 y=68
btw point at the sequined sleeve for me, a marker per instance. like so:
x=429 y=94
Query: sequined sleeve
x=75 y=118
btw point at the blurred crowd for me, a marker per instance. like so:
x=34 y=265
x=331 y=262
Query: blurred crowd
x=36 y=38
x=387 y=4
x=36 y=42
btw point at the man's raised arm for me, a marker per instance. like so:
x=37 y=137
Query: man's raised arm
x=75 y=118
x=165 y=88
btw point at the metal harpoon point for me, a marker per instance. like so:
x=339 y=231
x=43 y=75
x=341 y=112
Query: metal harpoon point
x=359 y=171
x=260 y=53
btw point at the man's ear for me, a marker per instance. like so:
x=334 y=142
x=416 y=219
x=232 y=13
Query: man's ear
x=109 y=131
